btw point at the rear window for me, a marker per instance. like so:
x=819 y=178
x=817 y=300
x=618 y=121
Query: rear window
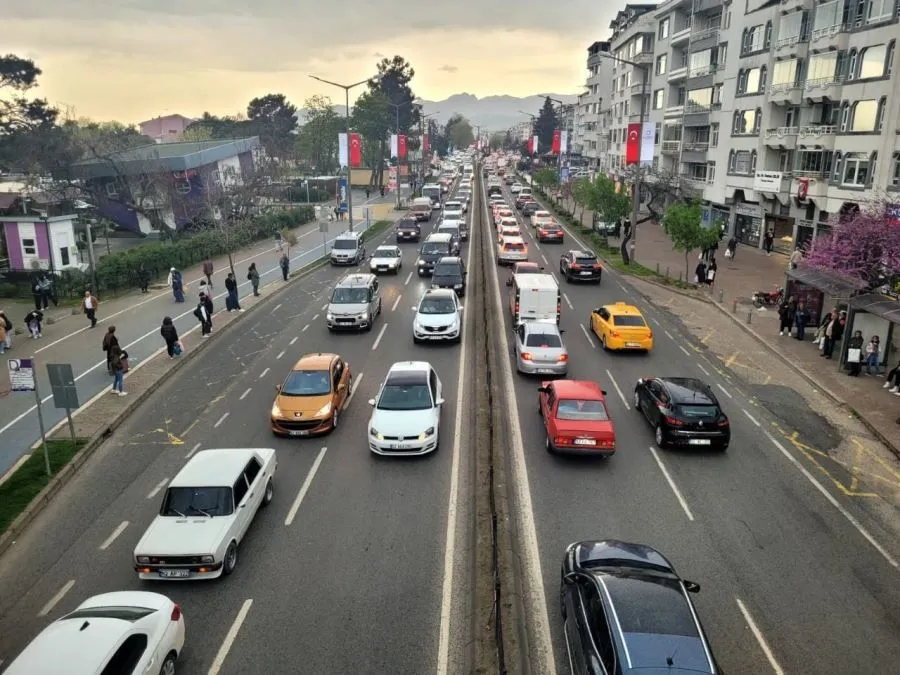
x=514 y=247
x=628 y=320
x=586 y=261
x=446 y=270
x=130 y=614
x=548 y=340
x=577 y=410
x=649 y=605
x=698 y=410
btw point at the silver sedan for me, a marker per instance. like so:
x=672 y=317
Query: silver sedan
x=540 y=349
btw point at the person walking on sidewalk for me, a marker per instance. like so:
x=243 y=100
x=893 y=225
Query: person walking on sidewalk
x=253 y=276
x=33 y=322
x=731 y=248
x=893 y=380
x=786 y=311
x=170 y=336
x=768 y=242
x=117 y=368
x=801 y=318
x=204 y=313
x=7 y=329
x=90 y=305
x=700 y=273
x=872 y=350
x=143 y=276
x=796 y=258
x=109 y=341
x=176 y=283
x=208 y=272
x=854 y=353
x=231 y=301
x=834 y=332
x=711 y=270
x=36 y=295
x=285 y=265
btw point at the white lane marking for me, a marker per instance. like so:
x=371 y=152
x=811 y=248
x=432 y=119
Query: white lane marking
x=751 y=417
x=54 y=601
x=618 y=391
x=760 y=639
x=115 y=535
x=727 y=393
x=357 y=379
x=587 y=335
x=568 y=302
x=325 y=306
x=396 y=302
x=293 y=340
x=276 y=308
x=452 y=506
x=230 y=637
x=305 y=328
x=192 y=451
x=665 y=473
x=686 y=352
x=533 y=581
x=624 y=290
x=654 y=321
x=315 y=316
x=705 y=371
x=408 y=277
x=380 y=335
x=280 y=354
x=244 y=395
x=263 y=373
x=156 y=488
x=221 y=419
x=537 y=245
x=298 y=500
x=544 y=258
x=669 y=335
x=835 y=503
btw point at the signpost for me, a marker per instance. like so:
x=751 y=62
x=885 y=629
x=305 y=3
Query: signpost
x=65 y=394
x=323 y=228
x=22 y=378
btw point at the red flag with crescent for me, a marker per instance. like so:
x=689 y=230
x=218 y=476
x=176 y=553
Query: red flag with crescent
x=556 y=141
x=401 y=147
x=355 y=151
x=633 y=144
x=426 y=144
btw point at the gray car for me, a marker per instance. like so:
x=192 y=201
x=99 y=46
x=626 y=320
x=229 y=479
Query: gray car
x=540 y=349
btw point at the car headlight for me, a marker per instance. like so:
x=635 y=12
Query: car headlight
x=143 y=559
x=458 y=286
x=363 y=316
x=329 y=316
x=420 y=262
x=375 y=433
x=324 y=410
x=372 y=264
x=276 y=411
x=425 y=434
x=207 y=559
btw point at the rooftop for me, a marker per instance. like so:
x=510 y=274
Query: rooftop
x=215 y=467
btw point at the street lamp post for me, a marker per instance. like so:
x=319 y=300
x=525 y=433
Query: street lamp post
x=422 y=130
x=560 y=154
x=397 y=107
x=346 y=88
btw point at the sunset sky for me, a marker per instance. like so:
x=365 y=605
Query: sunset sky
x=131 y=60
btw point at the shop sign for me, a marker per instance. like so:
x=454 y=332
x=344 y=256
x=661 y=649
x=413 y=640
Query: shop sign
x=767 y=181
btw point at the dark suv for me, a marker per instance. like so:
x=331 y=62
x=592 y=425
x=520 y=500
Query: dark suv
x=450 y=272
x=408 y=229
x=580 y=266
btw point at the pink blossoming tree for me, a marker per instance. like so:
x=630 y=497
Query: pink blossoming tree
x=864 y=247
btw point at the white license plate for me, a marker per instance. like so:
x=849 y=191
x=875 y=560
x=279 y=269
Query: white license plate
x=585 y=441
x=586 y=274
x=698 y=441
x=397 y=446
x=545 y=371
x=634 y=345
x=299 y=433
x=174 y=574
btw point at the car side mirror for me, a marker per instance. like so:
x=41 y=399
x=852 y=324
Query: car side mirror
x=440 y=401
x=561 y=331
x=604 y=391
x=640 y=380
x=691 y=586
x=277 y=387
x=570 y=578
x=544 y=390
x=461 y=308
x=372 y=401
x=541 y=269
x=415 y=309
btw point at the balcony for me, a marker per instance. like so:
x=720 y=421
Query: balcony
x=790 y=5
x=789 y=44
x=671 y=147
x=634 y=118
x=786 y=93
x=674 y=111
x=827 y=35
x=694 y=152
x=702 y=71
x=784 y=138
x=703 y=32
x=698 y=181
x=820 y=136
x=696 y=146
x=823 y=88
x=681 y=35
x=696 y=115
x=677 y=74
x=637 y=89
x=643 y=58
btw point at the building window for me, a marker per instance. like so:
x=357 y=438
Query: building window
x=753 y=40
x=29 y=247
x=661 y=64
x=864 y=116
x=64 y=256
x=741 y=161
x=751 y=81
x=710 y=172
x=721 y=54
x=895 y=170
x=879 y=116
x=746 y=122
x=112 y=190
x=889 y=59
x=871 y=63
x=845 y=116
x=664 y=29
x=658 y=99
x=700 y=99
x=657 y=132
x=784 y=74
x=856 y=169
x=767 y=40
x=682 y=96
x=714 y=135
x=880 y=10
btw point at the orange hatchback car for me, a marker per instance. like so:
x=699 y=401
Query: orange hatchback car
x=312 y=396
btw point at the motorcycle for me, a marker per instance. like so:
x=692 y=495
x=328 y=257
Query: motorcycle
x=768 y=298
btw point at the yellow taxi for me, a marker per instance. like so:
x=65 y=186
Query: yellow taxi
x=621 y=327
x=313 y=395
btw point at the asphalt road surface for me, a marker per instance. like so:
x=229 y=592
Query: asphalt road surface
x=138 y=332
x=344 y=573
x=789 y=584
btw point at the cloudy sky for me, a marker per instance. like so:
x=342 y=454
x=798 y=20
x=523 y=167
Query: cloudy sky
x=134 y=59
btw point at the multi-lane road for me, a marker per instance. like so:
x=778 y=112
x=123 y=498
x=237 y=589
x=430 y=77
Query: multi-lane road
x=363 y=565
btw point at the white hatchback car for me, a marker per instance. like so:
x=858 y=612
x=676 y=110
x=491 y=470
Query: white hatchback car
x=125 y=632
x=386 y=259
x=206 y=511
x=406 y=418
x=438 y=317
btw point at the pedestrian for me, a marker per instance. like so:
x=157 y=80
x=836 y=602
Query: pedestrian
x=834 y=332
x=711 y=272
x=368 y=194
x=786 y=316
x=854 y=353
x=730 y=248
x=36 y=295
x=337 y=213
x=44 y=290
x=90 y=305
x=204 y=313
x=170 y=336
x=109 y=341
x=204 y=287
x=117 y=369
x=143 y=275
x=872 y=351
x=7 y=329
x=253 y=276
x=231 y=301
x=893 y=380
x=768 y=242
x=33 y=322
x=796 y=258
x=285 y=265
x=3 y=345
x=801 y=318
x=700 y=273
x=208 y=271
x=176 y=283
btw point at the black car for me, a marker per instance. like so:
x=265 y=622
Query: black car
x=436 y=246
x=530 y=208
x=684 y=411
x=625 y=610
x=495 y=190
x=408 y=229
x=450 y=272
x=580 y=266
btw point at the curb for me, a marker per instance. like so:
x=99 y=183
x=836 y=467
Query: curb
x=62 y=478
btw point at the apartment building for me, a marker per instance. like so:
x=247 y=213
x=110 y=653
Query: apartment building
x=776 y=113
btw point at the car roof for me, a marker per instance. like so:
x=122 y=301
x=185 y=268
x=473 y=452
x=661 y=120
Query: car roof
x=438 y=236
x=585 y=389
x=349 y=235
x=387 y=247
x=688 y=390
x=513 y=240
x=581 y=253
x=216 y=467
x=355 y=280
x=622 y=308
x=537 y=281
x=72 y=646
x=542 y=327
x=450 y=259
x=409 y=372
x=319 y=361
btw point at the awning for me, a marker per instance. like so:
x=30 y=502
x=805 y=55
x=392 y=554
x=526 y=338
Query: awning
x=877 y=305
x=829 y=283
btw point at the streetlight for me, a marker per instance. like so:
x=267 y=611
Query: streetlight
x=347 y=88
x=636 y=188
x=559 y=156
x=397 y=107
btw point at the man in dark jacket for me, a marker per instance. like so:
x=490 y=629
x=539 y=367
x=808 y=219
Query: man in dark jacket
x=170 y=335
x=285 y=265
x=231 y=302
x=834 y=332
x=204 y=312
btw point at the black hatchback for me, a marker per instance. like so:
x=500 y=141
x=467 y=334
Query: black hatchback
x=683 y=411
x=450 y=272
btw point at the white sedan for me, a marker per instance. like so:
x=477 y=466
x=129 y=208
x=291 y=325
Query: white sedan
x=125 y=632
x=406 y=415
x=386 y=259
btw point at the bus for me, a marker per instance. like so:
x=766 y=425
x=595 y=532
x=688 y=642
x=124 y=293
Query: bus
x=433 y=192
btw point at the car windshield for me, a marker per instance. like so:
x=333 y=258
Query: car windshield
x=130 y=614
x=306 y=383
x=434 y=247
x=452 y=230
x=698 y=410
x=345 y=244
x=580 y=410
x=628 y=320
x=530 y=269
x=431 y=192
x=350 y=296
x=548 y=340
x=408 y=224
x=197 y=501
x=452 y=206
x=387 y=253
x=405 y=397
x=437 y=306
x=446 y=270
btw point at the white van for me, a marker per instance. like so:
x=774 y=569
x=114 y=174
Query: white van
x=534 y=297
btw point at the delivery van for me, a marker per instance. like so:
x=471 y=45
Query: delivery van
x=534 y=297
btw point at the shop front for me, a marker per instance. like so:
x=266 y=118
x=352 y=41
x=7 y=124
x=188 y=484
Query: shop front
x=822 y=291
x=748 y=223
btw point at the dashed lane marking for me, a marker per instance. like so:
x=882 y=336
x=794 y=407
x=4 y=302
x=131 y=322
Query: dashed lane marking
x=587 y=336
x=705 y=371
x=396 y=302
x=192 y=451
x=246 y=392
x=230 y=637
x=618 y=391
x=221 y=419
x=276 y=308
x=568 y=302
x=315 y=316
x=293 y=340
x=380 y=335
x=54 y=601
x=724 y=390
x=751 y=418
x=280 y=354
x=156 y=488
x=115 y=535
x=760 y=639
x=671 y=482
x=305 y=328
x=263 y=373
x=301 y=494
x=686 y=352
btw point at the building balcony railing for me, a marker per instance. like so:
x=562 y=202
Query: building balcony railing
x=790 y=41
x=703 y=32
x=823 y=82
x=828 y=32
x=782 y=132
x=702 y=71
x=637 y=88
x=643 y=58
x=698 y=180
x=681 y=34
x=677 y=74
x=696 y=108
x=784 y=87
x=804 y=173
x=696 y=146
x=671 y=147
x=815 y=131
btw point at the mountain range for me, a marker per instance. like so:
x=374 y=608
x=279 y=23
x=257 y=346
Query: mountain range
x=491 y=113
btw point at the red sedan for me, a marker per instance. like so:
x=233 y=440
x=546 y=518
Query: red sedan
x=576 y=418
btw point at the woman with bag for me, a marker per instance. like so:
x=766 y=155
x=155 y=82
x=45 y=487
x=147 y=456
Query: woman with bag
x=872 y=350
x=109 y=341
x=170 y=335
x=117 y=365
x=854 y=353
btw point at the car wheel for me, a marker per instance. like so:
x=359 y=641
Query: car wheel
x=168 y=666
x=335 y=418
x=660 y=437
x=379 y=308
x=637 y=401
x=603 y=343
x=548 y=445
x=230 y=561
x=270 y=493
x=562 y=604
x=568 y=278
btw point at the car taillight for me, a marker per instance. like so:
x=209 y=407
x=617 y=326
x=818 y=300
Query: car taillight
x=575 y=266
x=598 y=266
x=517 y=308
x=723 y=422
x=176 y=613
x=650 y=334
x=667 y=415
x=526 y=356
x=562 y=440
x=614 y=333
x=564 y=358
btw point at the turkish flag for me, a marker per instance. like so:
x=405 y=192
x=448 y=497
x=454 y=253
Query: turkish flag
x=401 y=147
x=633 y=144
x=355 y=151
x=426 y=144
x=802 y=188
x=556 y=142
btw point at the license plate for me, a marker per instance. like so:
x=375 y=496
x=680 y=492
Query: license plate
x=698 y=441
x=545 y=371
x=299 y=433
x=174 y=574
x=586 y=274
x=397 y=446
x=585 y=441
x=635 y=345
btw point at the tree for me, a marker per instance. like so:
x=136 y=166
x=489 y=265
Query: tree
x=683 y=225
x=274 y=119
x=608 y=205
x=195 y=133
x=393 y=84
x=459 y=131
x=22 y=119
x=371 y=119
x=545 y=125
x=440 y=143
x=317 y=140
x=546 y=178
x=498 y=140
x=581 y=195
x=220 y=128
x=864 y=247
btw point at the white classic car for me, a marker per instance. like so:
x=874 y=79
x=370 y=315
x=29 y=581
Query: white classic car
x=386 y=259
